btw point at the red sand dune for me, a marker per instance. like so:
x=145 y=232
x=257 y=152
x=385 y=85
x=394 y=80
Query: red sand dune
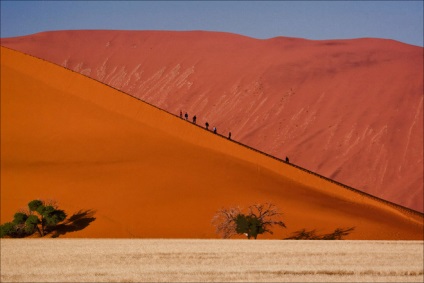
x=351 y=110
x=143 y=172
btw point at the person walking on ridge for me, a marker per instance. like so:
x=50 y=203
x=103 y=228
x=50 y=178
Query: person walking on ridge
x=194 y=119
x=214 y=130
x=207 y=125
x=181 y=114
x=229 y=135
x=186 y=116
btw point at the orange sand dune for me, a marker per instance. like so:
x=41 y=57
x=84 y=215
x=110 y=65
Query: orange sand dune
x=142 y=172
x=351 y=110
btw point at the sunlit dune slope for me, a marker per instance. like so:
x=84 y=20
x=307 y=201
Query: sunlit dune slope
x=141 y=172
x=351 y=110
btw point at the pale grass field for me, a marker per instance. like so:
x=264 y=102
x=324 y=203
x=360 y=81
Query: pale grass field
x=139 y=260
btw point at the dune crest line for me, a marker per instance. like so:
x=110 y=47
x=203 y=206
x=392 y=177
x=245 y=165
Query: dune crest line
x=155 y=165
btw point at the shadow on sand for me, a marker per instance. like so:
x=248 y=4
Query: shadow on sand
x=76 y=222
x=303 y=234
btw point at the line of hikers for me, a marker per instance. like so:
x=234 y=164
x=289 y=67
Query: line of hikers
x=206 y=124
x=214 y=128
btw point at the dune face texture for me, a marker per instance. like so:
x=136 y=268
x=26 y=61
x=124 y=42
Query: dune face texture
x=351 y=110
x=129 y=169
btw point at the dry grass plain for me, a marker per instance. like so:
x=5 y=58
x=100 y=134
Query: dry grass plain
x=183 y=260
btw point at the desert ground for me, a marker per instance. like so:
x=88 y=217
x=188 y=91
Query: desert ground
x=122 y=168
x=351 y=110
x=171 y=260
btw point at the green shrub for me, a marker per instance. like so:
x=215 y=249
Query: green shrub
x=34 y=204
x=31 y=224
x=7 y=229
x=19 y=218
x=23 y=225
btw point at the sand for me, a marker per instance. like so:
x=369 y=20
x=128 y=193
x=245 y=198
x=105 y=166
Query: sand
x=134 y=171
x=351 y=110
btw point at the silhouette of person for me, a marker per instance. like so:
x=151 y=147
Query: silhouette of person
x=181 y=114
x=214 y=130
x=287 y=159
x=207 y=125
x=229 y=135
x=194 y=119
x=186 y=116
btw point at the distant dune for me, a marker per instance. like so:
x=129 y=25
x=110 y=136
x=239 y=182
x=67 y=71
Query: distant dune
x=142 y=172
x=351 y=110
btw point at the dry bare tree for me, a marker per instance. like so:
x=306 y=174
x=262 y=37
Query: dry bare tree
x=259 y=219
x=268 y=216
x=224 y=221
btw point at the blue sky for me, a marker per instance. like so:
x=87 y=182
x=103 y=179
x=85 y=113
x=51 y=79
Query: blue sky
x=398 y=20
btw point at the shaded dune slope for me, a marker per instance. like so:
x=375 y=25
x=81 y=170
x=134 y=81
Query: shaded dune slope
x=141 y=172
x=351 y=110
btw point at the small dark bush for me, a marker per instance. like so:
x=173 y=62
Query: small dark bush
x=7 y=229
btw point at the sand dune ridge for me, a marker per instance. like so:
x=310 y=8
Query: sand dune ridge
x=90 y=147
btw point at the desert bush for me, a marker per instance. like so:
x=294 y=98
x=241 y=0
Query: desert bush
x=52 y=217
x=19 y=218
x=31 y=224
x=7 y=229
x=34 y=204
x=249 y=225
x=48 y=216
x=41 y=218
x=259 y=219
